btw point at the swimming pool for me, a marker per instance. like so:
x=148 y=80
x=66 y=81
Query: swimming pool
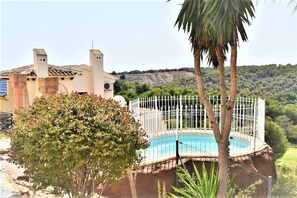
x=190 y=144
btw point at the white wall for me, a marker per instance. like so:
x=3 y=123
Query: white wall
x=83 y=83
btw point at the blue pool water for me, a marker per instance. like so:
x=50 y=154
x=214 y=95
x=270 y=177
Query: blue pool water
x=189 y=144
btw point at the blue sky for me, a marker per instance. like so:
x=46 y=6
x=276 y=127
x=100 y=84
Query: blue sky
x=133 y=35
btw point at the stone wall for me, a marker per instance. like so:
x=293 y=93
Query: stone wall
x=6 y=122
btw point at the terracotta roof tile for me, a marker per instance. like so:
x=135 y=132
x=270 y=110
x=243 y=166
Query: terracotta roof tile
x=52 y=71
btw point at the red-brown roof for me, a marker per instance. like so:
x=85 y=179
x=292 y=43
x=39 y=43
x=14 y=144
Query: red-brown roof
x=52 y=71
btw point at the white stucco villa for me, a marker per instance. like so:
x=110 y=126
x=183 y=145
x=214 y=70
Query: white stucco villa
x=19 y=86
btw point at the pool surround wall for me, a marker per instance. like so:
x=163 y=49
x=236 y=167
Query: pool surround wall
x=248 y=169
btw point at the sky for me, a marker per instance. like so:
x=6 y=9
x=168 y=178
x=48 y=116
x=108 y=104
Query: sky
x=133 y=35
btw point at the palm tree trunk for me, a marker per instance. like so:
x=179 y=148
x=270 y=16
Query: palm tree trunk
x=203 y=99
x=224 y=146
x=233 y=86
x=223 y=169
x=220 y=57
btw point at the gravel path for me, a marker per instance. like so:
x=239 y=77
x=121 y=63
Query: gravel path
x=10 y=184
x=9 y=173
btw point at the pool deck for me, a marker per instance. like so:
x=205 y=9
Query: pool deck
x=169 y=162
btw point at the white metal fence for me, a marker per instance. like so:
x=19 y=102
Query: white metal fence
x=183 y=118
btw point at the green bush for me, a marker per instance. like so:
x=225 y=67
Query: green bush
x=286 y=185
x=74 y=142
x=275 y=137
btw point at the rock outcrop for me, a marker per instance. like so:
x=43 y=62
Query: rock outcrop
x=157 y=78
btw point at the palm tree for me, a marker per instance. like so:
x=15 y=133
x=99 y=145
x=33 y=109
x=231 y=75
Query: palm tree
x=213 y=28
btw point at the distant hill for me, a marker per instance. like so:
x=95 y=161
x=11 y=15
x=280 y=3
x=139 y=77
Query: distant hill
x=253 y=81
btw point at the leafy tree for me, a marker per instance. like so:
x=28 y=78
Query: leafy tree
x=275 y=137
x=213 y=27
x=287 y=98
x=292 y=134
x=245 y=93
x=141 y=88
x=122 y=77
x=129 y=94
x=155 y=92
x=291 y=112
x=284 y=122
x=273 y=109
x=75 y=142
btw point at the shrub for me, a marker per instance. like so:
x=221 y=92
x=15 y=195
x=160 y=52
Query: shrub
x=275 y=137
x=75 y=142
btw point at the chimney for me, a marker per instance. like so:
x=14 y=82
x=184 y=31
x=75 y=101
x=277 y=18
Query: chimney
x=40 y=62
x=96 y=63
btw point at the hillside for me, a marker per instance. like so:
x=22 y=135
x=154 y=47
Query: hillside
x=156 y=77
x=253 y=81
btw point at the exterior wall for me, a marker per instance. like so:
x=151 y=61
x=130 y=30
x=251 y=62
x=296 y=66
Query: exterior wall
x=48 y=86
x=66 y=85
x=83 y=83
x=108 y=94
x=32 y=90
x=18 y=82
x=6 y=102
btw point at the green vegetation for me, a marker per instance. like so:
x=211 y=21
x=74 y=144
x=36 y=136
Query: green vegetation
x=276 y=82
x=132 y=90
x=162 y=192
x=253 y=81
x=275 y=136
x=289 y=160
x=74 y=143
x=282 y=112
x=286 y=185
x=204 y=184
x=198 y=185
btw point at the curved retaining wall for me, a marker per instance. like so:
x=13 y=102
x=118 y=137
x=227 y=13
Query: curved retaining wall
x=248 y=169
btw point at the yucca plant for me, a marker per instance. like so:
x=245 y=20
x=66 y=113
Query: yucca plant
x=203 y=185
x=197 y=185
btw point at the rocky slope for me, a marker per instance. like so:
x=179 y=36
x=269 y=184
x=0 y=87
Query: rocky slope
x=157 y=78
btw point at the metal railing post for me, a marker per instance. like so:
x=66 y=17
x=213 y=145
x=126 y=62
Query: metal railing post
x=269 y=187
x=156 y=119
x=254 y=127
